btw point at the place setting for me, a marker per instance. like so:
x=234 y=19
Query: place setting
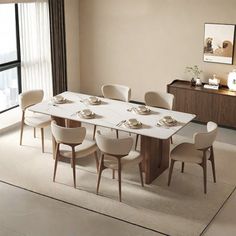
x=86 y=114
x=140 y=110
x=130 y=123
x=58 y=100
x=92 y=100
x=167 y=122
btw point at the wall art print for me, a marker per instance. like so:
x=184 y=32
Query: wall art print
x=219 y=43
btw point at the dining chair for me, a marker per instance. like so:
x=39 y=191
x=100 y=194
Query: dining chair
x=116 y=92
x=75 y=138
x=35 y=120
x=116 y=154
x=197 y=152
x=158 y=99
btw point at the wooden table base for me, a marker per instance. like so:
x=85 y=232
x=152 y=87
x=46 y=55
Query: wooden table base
x=155 y=154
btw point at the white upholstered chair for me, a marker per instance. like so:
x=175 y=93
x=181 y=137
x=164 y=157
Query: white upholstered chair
x=116 y=154
x=75 y=138
x=116 y=92
x=198 y=152
x=158 y=99
x=35 y=120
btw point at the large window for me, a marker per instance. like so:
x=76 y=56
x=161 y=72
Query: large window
x=10 y=79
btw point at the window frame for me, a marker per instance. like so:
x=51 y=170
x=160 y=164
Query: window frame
x=16 y=63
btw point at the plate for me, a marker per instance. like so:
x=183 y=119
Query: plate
x=172 y=122
x=142 y=111
x=94 y=103
x=137 y=126
x=91 y=116
x=59 y=100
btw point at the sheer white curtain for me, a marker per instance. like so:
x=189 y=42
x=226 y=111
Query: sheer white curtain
x=36 y=71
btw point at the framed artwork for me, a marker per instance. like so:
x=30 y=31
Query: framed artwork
x=219 y=43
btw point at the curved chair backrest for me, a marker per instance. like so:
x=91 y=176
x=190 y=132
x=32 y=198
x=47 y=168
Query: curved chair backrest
x=67 y=135
x=112 y=146
x=29 y=98
x=205 y=140
x=159 y=99
x=117 y=92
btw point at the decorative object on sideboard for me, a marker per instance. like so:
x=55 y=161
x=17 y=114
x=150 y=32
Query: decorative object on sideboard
x=195 y=73
x=232 y=80
x=213 y=83
x=219 y=43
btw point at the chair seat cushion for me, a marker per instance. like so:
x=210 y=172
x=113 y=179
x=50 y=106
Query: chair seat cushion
x=86 y=148
x=186 y=152
x=38 y=120
x=133 y=158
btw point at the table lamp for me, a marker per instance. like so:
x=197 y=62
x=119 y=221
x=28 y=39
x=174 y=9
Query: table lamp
x=232 y=80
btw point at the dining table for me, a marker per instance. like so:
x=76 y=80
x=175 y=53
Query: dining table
x=110 y=113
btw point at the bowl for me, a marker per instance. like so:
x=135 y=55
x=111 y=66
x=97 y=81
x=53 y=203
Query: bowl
x=168 y=119
x=142 y=108
x=86 y=112
x=58 y=98
x=93 y=99
x=133 y=122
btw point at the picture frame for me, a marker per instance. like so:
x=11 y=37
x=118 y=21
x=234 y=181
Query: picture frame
x=219 y=42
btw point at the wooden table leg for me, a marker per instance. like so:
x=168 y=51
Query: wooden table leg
x=155 y=154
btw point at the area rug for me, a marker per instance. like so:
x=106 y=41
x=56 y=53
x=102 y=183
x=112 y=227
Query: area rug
x=179 y=210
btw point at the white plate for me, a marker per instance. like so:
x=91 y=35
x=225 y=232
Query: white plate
x=91 y=116
x=128 y=125
x=94 y=103
x=172 y=123
x=59 y=101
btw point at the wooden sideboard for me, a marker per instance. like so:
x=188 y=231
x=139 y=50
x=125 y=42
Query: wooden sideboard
x=207 y=104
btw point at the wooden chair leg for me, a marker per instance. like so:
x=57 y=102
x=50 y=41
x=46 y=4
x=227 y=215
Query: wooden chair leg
x=136 y=142
x=101 y=167
x=182 y=167
x=96 y=160
x=42 y=139
x=119 y=178
x=94 y=131
x=204 y=166
x=171 y=170
x=212 y=159
x=56 y=161
x=117 y=134
x=21 y=132
x=73 y=161
x=113 y=174
x=141 y=174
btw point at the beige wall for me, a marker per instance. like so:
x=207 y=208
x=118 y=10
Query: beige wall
x=72 y=42
x=146 y=44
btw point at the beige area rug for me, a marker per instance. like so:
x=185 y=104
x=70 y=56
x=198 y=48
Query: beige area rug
x=179 y=210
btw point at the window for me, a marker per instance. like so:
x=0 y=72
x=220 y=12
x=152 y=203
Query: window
x=25 y=52
x=10 y=76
